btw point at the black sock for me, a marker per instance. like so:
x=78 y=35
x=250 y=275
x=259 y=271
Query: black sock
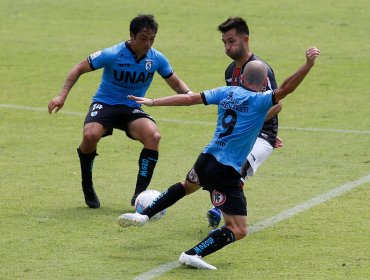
x=216 y=240
x=165 y=200
x=87 y=163
x=147 y=161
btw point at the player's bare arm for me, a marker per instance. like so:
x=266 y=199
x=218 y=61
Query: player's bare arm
x=177 y=84
x=58 y=102
x=292 y=82
x=174 y=100
x=276 y=109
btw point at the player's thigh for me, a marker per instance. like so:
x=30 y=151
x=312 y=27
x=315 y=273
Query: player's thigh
x=144 y=130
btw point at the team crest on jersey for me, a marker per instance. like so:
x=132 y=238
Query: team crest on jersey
x=148 y=65
x=218 y=198
x=93 y=113
x=95 y=55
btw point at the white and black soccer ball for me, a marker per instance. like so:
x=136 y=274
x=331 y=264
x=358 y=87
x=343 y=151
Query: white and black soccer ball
x=144 y=199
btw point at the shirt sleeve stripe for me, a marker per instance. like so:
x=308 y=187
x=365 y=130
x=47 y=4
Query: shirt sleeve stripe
x=90 y=63
x=204 y=98
x=168 y=76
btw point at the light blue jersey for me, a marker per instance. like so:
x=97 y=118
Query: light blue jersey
x=241 y=114
x=125 y=75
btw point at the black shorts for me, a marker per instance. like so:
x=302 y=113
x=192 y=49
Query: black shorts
x=114 y=116
x=223 y=183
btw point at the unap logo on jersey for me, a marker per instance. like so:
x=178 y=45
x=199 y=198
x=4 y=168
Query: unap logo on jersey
x=218 y=198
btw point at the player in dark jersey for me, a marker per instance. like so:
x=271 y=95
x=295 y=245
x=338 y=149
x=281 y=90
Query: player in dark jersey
x=235 y=36
x=219 y=168
x=129 y=68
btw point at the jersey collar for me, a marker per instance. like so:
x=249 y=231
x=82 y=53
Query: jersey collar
x=249 y=89
x=133 y=53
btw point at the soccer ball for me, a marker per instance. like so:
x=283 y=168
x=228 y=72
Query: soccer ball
x=144 y=199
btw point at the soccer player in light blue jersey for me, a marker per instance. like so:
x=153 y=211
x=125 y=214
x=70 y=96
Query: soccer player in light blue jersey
x=128 y=69
x=219 y=168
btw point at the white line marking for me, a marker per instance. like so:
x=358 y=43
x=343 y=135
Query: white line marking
x=309 y=204
x=286 y=214
x=20 y=107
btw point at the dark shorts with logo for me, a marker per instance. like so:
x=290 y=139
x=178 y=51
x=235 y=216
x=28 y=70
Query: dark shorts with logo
x=223 y=183
x=114 y=116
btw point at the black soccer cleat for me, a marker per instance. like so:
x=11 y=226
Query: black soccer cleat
x=91 y=198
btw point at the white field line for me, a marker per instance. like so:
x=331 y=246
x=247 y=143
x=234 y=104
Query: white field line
x=71 y=113
x=286 y=214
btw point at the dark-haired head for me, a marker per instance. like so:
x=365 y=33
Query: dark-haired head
x=237 y=23
x=143 y=22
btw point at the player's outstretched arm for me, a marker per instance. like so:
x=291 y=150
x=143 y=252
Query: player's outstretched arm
x=291 y=83
x=174 y=100
x=58 y=102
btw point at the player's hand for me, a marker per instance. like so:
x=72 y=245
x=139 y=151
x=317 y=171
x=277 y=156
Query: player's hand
x=279 y=142
x=142 y=100
x=56 y=103
x=311 y=55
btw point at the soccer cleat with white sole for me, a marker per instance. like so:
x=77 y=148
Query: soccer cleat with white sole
x=132 y=219
x=195 y=261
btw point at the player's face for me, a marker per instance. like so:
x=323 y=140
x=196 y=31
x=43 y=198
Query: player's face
x=142 y=41
x=235 y=44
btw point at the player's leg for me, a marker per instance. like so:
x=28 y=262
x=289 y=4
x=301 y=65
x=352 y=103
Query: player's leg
x=87 y=151
x=164 y=200
x=235 y=229
x=261 y=151
x=229 y=199
x=146 y=131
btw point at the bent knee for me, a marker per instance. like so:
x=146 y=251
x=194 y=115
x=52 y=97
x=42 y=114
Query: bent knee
x=156 y=137
x=152 y=139
x=91 y=137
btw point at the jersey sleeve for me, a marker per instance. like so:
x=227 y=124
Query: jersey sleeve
x=265 y=100
x=164 y=69
x=99 y=59
x=214 y=96
x=272 y=81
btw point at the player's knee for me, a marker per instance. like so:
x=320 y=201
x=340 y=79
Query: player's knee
x=90 y=137
x=154 y=138
x=157 y=137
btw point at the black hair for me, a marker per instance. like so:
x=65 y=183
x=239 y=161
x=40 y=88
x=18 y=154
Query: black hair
x=143 y=22
x=238 y=23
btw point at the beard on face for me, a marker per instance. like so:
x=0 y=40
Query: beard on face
x=235 y=55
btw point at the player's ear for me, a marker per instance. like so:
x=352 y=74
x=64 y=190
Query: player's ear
x=246 y=39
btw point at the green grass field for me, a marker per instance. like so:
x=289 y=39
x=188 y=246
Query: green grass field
x=47 y=232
